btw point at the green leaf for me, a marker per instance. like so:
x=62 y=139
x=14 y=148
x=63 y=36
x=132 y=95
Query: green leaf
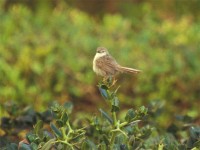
x=34 y=146
x=105 y=139
x=130 y=115
x=88 y=145
x=69 y=107
x=143 y=110
x=116 y=147
x=55 y=107
x=96 y=122
x=106 y=116
x=146 y=132
x=195 y=132
x=123 y=147
x=169 y=141
x=56 y=131
x=120 y=139
x=31 y=137
x=103 y=146
x=59 y=123
x=197 y=144
x=48 y=145
x=65 y=117
x=24 y=147
x=38 y=128
x=12 y=146
x=195 y=148
x=115 y=104
x=104 y=91
x=103 y=86
x=78 y=138
x=160 y=146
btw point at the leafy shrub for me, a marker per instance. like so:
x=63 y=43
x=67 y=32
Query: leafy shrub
x=39 y=56
x=104 y=132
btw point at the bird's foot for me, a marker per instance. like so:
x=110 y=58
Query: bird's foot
x=113 y=82
x=109 y=81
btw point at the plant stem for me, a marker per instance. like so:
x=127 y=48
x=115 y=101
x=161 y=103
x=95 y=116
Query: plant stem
x=112 y=141
x=70 y=129
x=114 y=118
x=123 y=124
x=63 y=133
x=66 y=143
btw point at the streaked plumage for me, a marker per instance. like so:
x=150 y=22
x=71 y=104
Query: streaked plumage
x=105 y=65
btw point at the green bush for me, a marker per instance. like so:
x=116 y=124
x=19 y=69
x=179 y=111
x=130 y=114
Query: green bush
x=47 y=55
x=108 y=131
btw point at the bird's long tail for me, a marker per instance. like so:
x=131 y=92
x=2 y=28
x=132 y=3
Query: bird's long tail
x=128 y=70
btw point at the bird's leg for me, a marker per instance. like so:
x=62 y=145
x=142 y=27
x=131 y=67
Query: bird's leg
x=113 y=81
x=105 y=79
x=109 y=81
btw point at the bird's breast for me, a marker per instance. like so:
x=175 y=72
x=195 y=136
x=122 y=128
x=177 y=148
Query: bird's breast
x=96 y=69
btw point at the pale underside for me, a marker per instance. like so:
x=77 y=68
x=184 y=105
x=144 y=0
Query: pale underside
x=106 y=66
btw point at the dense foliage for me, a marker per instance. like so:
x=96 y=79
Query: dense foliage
x=108 y=132
x=46 y=55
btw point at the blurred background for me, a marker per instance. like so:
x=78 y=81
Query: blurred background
x=47 y=49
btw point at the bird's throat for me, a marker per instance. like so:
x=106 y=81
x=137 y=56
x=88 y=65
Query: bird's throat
x=96 y=57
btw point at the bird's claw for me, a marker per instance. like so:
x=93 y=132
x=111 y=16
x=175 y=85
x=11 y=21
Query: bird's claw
x=110 y=81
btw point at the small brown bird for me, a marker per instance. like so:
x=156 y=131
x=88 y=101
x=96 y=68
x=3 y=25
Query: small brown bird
x=105 y=65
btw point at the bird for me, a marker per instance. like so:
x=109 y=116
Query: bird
x=106 y=66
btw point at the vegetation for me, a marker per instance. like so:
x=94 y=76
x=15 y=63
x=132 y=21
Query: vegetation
x=134 y=131
x=46 y=56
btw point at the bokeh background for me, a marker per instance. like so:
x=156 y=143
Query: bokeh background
x=47 y=48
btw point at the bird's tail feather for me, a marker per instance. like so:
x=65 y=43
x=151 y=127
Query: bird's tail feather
x=128 y=70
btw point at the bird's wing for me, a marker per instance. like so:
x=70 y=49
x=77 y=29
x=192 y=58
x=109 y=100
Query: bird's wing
x=107 y=64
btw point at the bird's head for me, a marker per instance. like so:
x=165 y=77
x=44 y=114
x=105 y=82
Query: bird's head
x=102 y=50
